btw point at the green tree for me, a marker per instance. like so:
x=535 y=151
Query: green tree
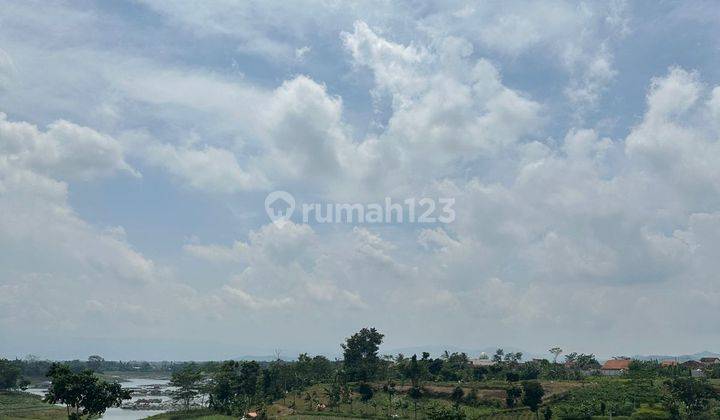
x=547 y=413
x=360 y=354
x=9 y=375
x=413 y=372
x=224 y=385
x=247 y=390
x=555 y=351
x=694 y=395
x=95 y=362
x=532 y=395
x=334 y=394
x=511 y=396
x=187 y=382
x=366 y=392
x=389 y=389
x=415 y=394
x=82 y=393
x=457 y=396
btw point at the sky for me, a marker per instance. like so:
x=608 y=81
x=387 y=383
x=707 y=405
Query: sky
x=580 y=142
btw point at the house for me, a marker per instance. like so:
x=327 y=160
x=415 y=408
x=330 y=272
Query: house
x=668 y=363
x=691 y=365
x=615 y=367
x=709 y=360
x=697 y=373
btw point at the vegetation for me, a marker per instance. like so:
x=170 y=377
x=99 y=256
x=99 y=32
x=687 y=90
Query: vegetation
x=10 y=376
x=82 y=393
x=366 y=384
x=21 y=405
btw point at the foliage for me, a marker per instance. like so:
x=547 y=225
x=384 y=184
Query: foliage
x=436 y=410
x=694 y=395
x=82 y=393
x=366 y=392
x=188 y=382
x=457 y=396
x=555 y=351
x=512 y=394
x=532 y=394
x=360 y=353
x=10 y=377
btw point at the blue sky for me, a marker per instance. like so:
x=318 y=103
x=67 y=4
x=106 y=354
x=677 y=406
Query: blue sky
x=139 y=139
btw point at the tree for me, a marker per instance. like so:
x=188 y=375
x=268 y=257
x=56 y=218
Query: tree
x=415 y=394
x=547 y=413
x=9 y=375
x=334 y=394
x=366 y=392
x=413 y=371
x=389 y=389
x=82 y=393
x=95 y=362
x=694 y=395
x=512 y=376
x=457 y=396
x=511 y=396
x=187 y=382
x=556 y=351
x=532 y=395
x=360 y=354
x=247 y=388
x=498 y=356
x=224 y=386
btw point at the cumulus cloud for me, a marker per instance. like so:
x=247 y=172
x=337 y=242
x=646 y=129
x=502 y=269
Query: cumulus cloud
x=64 y=150
x=563 y=230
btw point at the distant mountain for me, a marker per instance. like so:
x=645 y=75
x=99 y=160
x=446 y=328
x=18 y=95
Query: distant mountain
x=255 y=358
x=680 y=358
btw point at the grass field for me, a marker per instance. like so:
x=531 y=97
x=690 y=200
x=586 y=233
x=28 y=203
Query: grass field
x=21 y=405
x=193 y=414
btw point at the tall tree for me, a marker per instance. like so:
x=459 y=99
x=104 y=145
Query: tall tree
x=95 y=362
x=360 y=354
x=224 y=385
x=187 y=382
x=556 y=351
x=9 y=375
x=532 y=395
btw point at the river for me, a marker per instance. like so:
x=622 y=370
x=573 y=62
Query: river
x=117 y=413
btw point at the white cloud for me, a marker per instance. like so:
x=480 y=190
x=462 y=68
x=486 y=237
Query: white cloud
x=207 y=169
x=561 y=231
x=65 y=150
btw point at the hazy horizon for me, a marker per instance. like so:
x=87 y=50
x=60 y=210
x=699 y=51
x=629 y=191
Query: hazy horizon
x=566 y=154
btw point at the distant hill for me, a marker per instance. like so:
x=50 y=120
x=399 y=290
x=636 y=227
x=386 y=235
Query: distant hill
x=256 y=358
x=680 y=358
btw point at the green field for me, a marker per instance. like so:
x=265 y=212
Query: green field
x=193 y=414
x=21 y=405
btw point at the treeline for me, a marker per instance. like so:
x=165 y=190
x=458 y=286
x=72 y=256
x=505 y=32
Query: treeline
x=33 y=367
x=444 y=386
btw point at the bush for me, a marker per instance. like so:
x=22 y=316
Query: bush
x=437 y=410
